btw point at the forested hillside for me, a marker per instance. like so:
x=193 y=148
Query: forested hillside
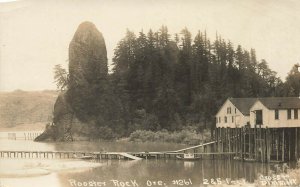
x=21 y=108
x=170 y=82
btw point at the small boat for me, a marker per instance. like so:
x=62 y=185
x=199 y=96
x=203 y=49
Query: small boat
x=249 y=159
x=83 y=157
x=188 y=157
x=237 y=158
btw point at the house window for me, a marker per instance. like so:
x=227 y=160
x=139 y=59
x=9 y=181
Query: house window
x=289 y=113
x=259 y=117
x=225 y=119
x=235 y=110
x=219 y=119
x=232 y=119
x=295 y=113
x=276 y=114
x=228 y=110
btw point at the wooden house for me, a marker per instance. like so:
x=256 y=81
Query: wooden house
x=275 y=112
x=234 y=113
x=267 y=132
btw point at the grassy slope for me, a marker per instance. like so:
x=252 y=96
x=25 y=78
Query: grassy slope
x=22 y=110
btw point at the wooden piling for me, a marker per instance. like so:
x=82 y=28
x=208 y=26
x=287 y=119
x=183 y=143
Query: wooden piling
x=268 y=143
x=261 y=146
x=240 y=143
x=255 y=146
x=244 y=143
x=296 y=144
x=229 y=139
x=249 y=142
x=289 y=149
x=277 y=145
x=282 y=157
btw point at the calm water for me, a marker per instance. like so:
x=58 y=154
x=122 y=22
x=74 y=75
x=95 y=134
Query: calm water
x=66 y=173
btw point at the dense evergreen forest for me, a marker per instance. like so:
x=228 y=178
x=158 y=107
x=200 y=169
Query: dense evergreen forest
x=159 y=81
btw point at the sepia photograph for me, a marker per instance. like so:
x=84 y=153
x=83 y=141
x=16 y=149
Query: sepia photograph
x=149 y=93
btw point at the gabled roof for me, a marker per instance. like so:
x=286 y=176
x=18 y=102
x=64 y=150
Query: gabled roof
x=280 y=102
x=243 y=104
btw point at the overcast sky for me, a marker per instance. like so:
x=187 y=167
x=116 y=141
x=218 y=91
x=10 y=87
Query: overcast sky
x=35 y=34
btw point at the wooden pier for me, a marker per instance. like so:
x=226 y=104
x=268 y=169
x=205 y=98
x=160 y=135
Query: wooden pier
x=108 y=155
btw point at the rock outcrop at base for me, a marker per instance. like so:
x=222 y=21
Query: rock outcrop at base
x=60 y=128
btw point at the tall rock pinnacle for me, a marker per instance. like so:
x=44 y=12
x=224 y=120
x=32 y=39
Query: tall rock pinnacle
x=87 y=56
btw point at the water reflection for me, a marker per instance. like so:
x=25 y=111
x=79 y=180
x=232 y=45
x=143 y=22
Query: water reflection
x=21 y=145
x=188 y=164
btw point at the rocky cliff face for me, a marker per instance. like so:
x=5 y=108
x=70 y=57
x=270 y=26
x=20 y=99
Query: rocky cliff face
x=87 y=56
x=63 y=119
x=87 y=73
x=65 y=125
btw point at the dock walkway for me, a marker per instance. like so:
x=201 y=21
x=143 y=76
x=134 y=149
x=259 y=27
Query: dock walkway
x=193 y=147
x=199 y=150
x=106 y=155
x=130 y=156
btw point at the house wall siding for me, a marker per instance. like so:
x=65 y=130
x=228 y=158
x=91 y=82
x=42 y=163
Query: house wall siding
x=239 y=119
x=269 y=120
